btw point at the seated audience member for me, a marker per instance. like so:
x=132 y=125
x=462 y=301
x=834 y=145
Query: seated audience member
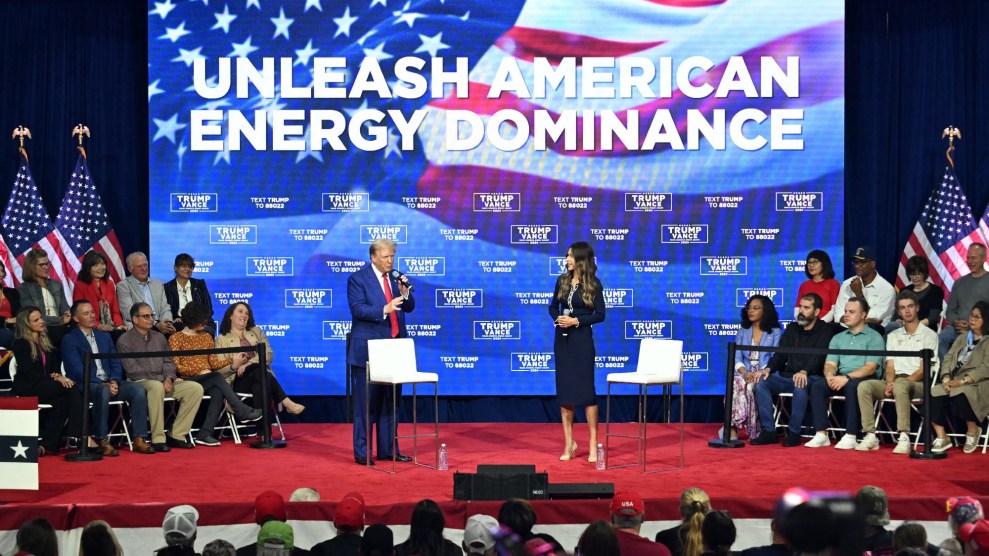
x=800 y=374
x=975 y=537
x=904 y=375
x=276 y=538
x=139 y=286
x=179 y=528
x=964 y=382
x=910 y=535
x=219 y=547
x=760 y=327
x=268 y=506
x=873 y=505
x=685 y=539
x=158 y=378
x=348 y=519
x=845 y=372
x=961 y=510
x=966 y=290
x=930 y=298
x=209 y=371
x=97 y=539
x=95 y=286
x=106 y=379
x=820 y=281
x=426 y=533
x=627 y=513
x=38 y=290
x=718 y=533
x=238 y=329
x=10 y=305
x=184 y=288
x=869 y=285
x=520 y=517
x=37 y=537
x=304 y=494
x=778 y=547
x=378 y=541
x=38 y=374
x=477 y=535
x=599 y=539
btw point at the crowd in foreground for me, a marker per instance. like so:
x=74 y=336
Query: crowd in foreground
x=804 y=523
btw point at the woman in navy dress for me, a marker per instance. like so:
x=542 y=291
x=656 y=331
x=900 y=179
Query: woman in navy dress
x=577 y=303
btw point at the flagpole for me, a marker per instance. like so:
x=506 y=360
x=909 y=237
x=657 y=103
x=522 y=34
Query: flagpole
x=81 y=130
x=951 y=132
x=20 y=132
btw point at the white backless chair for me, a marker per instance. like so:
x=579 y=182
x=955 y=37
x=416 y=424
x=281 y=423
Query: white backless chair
x=392 y=362
x=659 y=364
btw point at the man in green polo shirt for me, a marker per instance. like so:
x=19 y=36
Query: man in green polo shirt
x=845 y=372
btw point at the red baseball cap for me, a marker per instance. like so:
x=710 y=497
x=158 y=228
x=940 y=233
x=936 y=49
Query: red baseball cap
x=350 y=512
x=269 y=505
x=627 y=504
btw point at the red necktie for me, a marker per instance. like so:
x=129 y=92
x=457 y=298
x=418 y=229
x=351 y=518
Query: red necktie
x=392 y=316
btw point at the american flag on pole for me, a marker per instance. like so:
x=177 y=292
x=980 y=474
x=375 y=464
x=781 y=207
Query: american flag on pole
x=26 y=225
x=942 y=235
x=84 y=223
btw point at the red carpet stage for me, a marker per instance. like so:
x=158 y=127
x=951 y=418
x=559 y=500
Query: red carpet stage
x=133 y=491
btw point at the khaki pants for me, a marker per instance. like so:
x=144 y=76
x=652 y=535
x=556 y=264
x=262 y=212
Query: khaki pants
x=187 y=393
x=903 y=391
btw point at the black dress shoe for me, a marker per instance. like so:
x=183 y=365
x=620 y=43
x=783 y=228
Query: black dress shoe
x=792 y=440
x=400 y=458
x=175 y=443
x=363 y=461
x=765 y=437
x=160 y=447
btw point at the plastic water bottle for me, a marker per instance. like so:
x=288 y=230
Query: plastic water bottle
x=443 y=465
x=600 y=462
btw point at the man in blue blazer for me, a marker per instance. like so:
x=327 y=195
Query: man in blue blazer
x=106 y=379
x=378 y=304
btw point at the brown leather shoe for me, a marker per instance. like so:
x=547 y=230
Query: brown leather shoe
x=142 y=447
x=107 y=450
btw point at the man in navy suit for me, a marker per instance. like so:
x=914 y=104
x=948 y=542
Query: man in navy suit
x=378 y=304
x=106 y=379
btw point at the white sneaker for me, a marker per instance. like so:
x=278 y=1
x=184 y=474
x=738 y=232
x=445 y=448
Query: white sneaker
x=903 y=444
x=940 y=445
x=971 y=443
x=870 y=442
x=820 y=440
x=847 y=442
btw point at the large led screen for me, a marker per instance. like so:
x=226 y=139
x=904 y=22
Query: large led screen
x=696 y=144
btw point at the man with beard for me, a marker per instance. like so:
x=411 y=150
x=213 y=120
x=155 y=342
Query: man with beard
x=797 y=373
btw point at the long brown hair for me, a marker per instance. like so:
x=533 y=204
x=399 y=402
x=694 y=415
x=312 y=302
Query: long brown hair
x=583 y=264
x=22 y=329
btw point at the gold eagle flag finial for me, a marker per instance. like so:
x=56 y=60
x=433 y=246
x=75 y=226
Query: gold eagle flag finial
x=81 y=130
x=952 y=133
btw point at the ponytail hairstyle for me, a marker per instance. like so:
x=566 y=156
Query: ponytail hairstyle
x=694 y=505
x=585 y=265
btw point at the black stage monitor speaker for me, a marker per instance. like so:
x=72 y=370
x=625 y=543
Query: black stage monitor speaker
x=572 y=491
x=505 y=469
x=500 y=486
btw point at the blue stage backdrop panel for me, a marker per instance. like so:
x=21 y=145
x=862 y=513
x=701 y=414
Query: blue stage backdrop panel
x=730 y=171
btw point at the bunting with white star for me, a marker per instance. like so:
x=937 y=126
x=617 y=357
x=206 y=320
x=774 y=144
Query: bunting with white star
x=18 y=444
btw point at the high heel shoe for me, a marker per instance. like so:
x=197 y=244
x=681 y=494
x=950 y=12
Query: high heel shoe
x=296 y=409
x=569 y=455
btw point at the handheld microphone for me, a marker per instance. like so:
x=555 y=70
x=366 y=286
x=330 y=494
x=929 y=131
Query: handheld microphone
x=402 y=279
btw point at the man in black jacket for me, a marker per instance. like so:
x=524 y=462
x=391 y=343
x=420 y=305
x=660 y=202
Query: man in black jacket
x=797 y=373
